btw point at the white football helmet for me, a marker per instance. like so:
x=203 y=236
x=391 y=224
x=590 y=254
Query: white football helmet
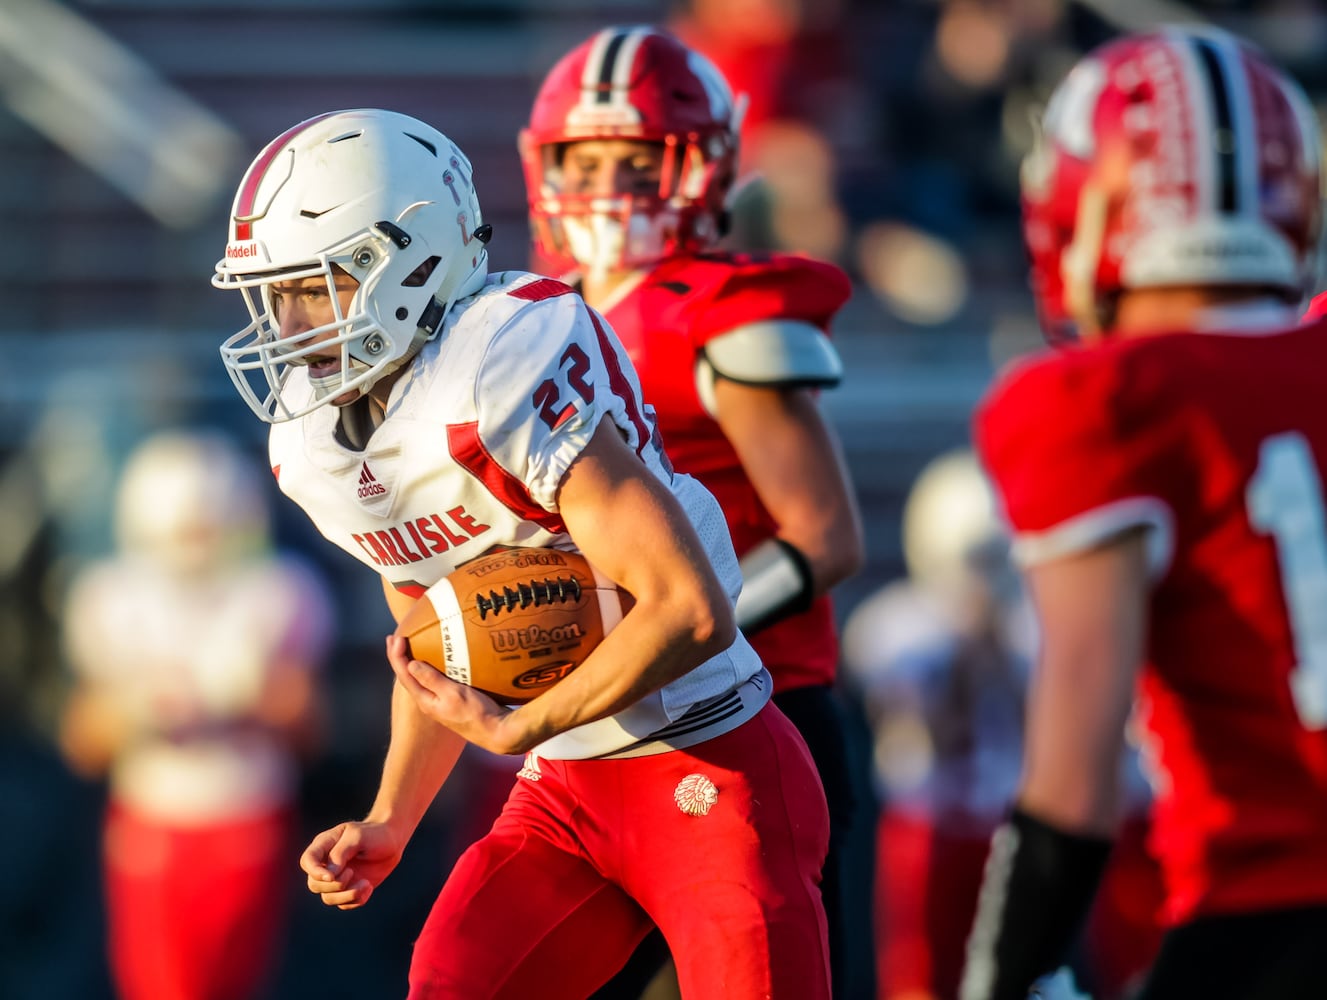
x=190 y=501
x=952 y=530
x=383 y=197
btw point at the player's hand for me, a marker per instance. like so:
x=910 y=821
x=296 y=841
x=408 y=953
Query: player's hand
x=346 y=863
x=465 y=710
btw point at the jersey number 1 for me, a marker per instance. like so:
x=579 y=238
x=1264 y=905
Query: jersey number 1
x=1285 y=501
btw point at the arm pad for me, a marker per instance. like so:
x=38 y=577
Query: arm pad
x=1038 y=885
x=776 y=583
x=777 y=353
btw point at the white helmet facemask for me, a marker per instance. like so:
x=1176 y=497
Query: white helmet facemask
x=375 y=195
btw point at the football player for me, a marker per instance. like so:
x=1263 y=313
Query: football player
x=630 y=155
x=1164 y=477
x=195 y=651
x=426 y=412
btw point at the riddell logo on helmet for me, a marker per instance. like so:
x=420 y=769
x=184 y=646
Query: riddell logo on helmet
x=1216 y=249
x=241 y=251
x=590 y=115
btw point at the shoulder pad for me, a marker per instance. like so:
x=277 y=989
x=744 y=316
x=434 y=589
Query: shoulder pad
x=775 y=352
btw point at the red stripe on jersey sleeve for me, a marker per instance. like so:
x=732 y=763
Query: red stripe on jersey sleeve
x=544 y=288
x=465 y=446
x=620 y=384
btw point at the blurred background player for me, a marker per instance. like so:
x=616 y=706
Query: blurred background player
x=630 y=156
x=195 y=650
x=940 y=659
x=1164 y=483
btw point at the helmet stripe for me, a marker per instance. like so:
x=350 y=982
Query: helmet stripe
x=603 y=85
x=1223 y=139
x=244 y=201
x=607 y=74
x=626 y=58
x=1245 y=130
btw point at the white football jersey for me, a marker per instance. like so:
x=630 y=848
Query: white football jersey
x=188 y=660
x=479 y=431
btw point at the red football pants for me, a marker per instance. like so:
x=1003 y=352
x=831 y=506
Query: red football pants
x=552 y=901
x=927 y=880
x=195 y=913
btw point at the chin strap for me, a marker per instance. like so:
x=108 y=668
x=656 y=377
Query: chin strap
x=776 y=583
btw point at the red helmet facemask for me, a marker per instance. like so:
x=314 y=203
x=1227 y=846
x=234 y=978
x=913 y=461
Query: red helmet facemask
x=1176 y=158
x=634 y=83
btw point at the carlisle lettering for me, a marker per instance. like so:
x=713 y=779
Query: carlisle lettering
x=419 y=538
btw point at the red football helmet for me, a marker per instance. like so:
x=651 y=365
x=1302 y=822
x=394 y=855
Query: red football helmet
x=632 y=83
x=1177 y=157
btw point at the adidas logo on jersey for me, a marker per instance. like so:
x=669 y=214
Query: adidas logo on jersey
x=368 y=485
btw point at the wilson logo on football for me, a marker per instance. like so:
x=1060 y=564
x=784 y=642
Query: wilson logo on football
x=368 y=485
x=509 y=640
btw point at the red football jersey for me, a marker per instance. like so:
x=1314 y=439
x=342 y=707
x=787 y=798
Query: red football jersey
x=664 y=323
x=1219 y=442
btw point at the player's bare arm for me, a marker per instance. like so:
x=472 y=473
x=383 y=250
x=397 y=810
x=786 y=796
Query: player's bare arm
x=1093 y=613
x=797 y=467
x=633 y=530
x=1047 y=859
x=345 y=864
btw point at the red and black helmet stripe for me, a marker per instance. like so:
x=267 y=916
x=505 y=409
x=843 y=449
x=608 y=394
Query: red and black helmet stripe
x=606 y=79
x=604 y=92
x=1225 y=142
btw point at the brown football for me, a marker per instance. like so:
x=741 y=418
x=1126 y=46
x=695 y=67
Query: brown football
x=513 y=623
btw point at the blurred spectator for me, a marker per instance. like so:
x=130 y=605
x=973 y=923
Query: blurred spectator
x=195 y=651
x=787 y=61
x=786 y=56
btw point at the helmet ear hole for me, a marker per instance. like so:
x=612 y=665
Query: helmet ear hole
x=419 y=275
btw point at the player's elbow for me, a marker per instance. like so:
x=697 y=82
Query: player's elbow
x=843 y=561
x=708 y=625
x=835 y=558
